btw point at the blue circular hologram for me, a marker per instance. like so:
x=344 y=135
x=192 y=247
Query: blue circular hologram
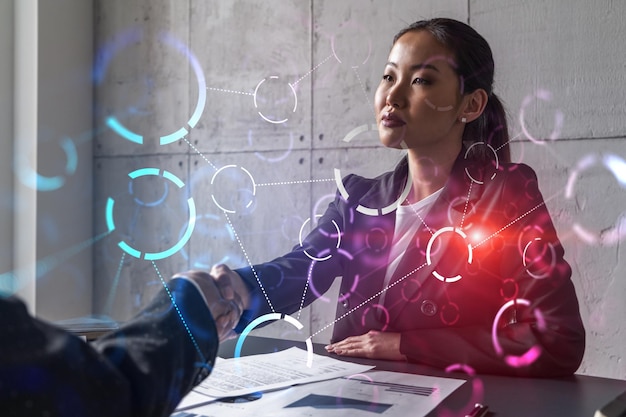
x=154 y=203
x=116 y=125
x=153 y=256
x=36 y=181
x=270 y=317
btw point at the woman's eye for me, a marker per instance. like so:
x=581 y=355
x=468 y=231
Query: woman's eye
x=387 y=78
x=421 y=81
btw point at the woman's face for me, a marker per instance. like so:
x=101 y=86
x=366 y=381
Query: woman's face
x=418 y=102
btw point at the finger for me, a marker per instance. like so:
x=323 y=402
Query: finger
x=225 y=285
x=349 y=351
x=226 y=289
x=347 y=345
x=348 y=341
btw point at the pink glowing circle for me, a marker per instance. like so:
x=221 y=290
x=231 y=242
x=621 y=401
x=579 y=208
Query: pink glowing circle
x=384 y=311
x=343 y=297
x=450 y=314
x=531 y=354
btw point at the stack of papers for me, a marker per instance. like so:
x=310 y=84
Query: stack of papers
x=281 y=384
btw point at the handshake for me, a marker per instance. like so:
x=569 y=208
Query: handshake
x=226 y=295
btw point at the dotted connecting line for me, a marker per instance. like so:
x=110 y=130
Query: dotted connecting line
x=510 y=224
x=232 y=227
x=180 y=314
x=466 y=204
x=293 y=182
x=507 y=142
x=347 y=313
x=306 y=288
x=418 y=268
x=119 y=267
x=199 y=153
x=221 y=90
x=367 y=97
x=107 y=306
x=419 y=217
x=311 y=71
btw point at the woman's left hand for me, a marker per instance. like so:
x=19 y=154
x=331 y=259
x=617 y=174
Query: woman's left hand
x=372 y=345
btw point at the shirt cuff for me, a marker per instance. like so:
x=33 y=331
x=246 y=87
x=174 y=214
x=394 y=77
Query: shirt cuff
x=196 y=286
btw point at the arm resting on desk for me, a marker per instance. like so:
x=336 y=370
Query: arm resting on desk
x=560 y=341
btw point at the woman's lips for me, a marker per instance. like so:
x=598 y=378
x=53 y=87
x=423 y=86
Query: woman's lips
x=391 y=120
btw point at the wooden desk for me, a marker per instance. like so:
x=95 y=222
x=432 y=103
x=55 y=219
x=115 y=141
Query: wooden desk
x=575 y=396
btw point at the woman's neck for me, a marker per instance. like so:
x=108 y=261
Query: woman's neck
x=429 y=173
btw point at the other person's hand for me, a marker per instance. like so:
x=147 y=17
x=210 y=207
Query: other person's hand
x=372 y=345
x=231 y=285
x=225 y=311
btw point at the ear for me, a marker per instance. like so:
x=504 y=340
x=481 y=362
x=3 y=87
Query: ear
x=474 y=105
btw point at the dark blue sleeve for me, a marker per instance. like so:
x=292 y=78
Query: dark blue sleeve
x=142 y=369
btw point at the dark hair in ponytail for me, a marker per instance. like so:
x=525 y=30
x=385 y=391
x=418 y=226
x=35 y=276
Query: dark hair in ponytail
x=475 y=67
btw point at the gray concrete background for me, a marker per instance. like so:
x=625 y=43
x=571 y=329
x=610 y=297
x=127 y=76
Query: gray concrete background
x=562 y=63
x=46 y=120
x=6 y=157
x=64 y=114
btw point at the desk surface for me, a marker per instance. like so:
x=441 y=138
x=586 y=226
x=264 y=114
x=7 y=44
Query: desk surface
x=574 y=396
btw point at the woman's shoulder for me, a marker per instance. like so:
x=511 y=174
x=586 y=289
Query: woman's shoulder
x=398 y=173
x=517 y=169
x=355 y=188
x=494 y=173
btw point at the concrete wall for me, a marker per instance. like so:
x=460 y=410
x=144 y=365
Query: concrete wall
x=562 y=65
x=45 y=163
x=201 y=91
x=64 y=154
x=6 y=133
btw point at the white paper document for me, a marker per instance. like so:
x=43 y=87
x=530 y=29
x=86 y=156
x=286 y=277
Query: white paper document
x=372 y=393
x=259 y=373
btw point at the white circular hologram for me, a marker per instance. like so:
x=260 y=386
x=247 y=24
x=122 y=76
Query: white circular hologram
x=552 y=259
x=221 y=170
x=360 y=129
x=437 y=108
x=354 y=33
x=495 y=155
x=617 y=166
x=545 y=96
x=256 y=106
x=317 y=216
x=452 y=64
x=272 y=317
x=430 y=244
x=368 y=211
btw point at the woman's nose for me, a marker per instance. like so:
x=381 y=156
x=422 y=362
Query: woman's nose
x=395 y=97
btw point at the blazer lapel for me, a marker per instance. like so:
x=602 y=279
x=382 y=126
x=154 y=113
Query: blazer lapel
x=449 y=214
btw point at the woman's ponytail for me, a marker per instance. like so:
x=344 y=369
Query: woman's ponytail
x=491 y=129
